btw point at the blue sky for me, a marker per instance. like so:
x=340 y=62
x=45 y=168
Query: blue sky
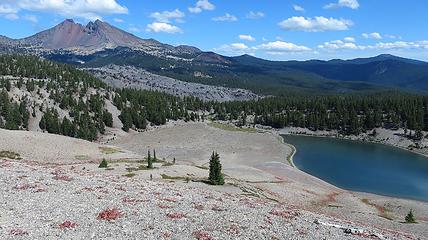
x=272 y=29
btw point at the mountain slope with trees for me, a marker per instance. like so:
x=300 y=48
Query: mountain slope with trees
x=99 y=44
x=64 y=100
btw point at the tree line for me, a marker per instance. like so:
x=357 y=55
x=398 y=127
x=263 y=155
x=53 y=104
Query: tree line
x=83 y=98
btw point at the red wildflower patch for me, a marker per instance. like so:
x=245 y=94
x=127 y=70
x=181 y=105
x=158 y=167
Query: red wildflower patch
x=39 y=190
x=269 y=220
x=284 y=214
x=200 y=235
x=88 y=189
x=234 y=229
x=24 y=186
x=56 y=171
x=5 y=164
x=18 y=232
x=199 y=207
x=105 y=191
x=262 y=201
x=165 y=206
x=166 y=235
x=67 y=225
x=176 y=215
x=109 y=214
x=208 y=196
x=168 y=199
x=131 y=201
x=120 y=189
x=217 y=208
x=63 y=178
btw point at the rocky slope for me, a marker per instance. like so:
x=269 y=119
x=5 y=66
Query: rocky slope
x=132 y=77
x=71 y=37
x=123 y=203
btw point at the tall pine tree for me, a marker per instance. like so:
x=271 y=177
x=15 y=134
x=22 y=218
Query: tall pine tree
x=216 y=176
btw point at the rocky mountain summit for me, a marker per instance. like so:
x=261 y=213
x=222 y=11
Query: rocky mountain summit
x=95 y=36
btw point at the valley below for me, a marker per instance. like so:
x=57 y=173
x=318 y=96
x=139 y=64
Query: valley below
x=264 y=196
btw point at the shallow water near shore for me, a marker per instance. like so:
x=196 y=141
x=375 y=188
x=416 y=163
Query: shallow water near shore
x=363 y=167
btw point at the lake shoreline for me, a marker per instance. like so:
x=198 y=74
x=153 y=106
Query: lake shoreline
x=338 y=153
x=400 y=142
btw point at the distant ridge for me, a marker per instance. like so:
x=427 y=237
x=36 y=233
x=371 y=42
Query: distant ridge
x=99 y=44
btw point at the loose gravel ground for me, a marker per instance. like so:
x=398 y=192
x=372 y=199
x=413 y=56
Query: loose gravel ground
x=55 y=190
x=42 y=202
x=132 y=77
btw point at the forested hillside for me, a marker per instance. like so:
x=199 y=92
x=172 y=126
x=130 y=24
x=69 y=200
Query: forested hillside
x=350 y=114
x=67 y=101
x=41 y=95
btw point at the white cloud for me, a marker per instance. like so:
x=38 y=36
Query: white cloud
x=7 y=9
x=31 y=18
x=163 y=27
x=11 y=16
x=234 y=48
x=279 y=47
x=349 y=39
x=373 y=35
x=225 y=18
x=202 y=5
x=166 y=16
x=298 y=8
x=255 y=15
x=8 y=12
x=353 y=4
x=317 y=24
x=398 y=45
x=88 y=9
x=247 y=37
x=339 y=44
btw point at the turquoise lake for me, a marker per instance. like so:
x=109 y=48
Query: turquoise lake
x=363 y=167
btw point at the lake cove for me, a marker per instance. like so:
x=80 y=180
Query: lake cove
x=363 y=167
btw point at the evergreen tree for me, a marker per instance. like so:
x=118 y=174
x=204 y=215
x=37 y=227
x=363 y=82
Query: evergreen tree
x=418 y=135
x=154 y=155
x=215 y=176
x=8 y=85
x=410 y=218
x=149 y=161
x=108 y=119
x=103 y=164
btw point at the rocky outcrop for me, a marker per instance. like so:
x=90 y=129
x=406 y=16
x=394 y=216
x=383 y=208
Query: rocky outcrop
x=132 y=77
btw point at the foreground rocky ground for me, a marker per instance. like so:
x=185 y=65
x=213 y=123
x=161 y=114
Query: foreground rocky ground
x=55 y=190
x=83 y=202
